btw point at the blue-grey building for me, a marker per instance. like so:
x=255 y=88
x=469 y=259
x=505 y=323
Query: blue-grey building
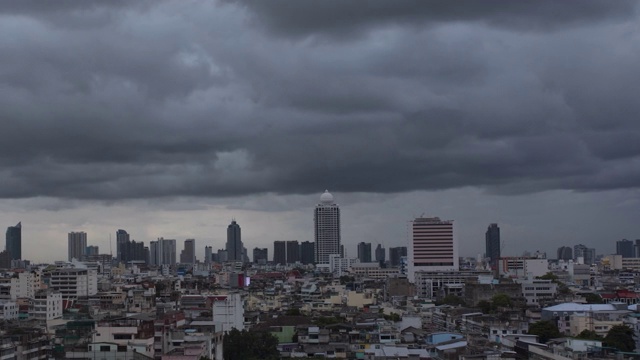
x=14 y=241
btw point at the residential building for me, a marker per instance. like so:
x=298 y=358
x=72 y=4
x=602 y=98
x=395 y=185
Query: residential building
x=584 y=255
x=307 y=252
x=188 y=254
x=279 y=252
x=46 y=305
x=433 y=246
x=326 y=222
x=77 y=245
x=162 y=252
x=364 y=252
x=8 y=310
x=434 y=284
x=293 y=252
x=92 y=250
x=492 y=244
x=565 y=253
x=25 y=285
x=229 y=310
x=625 y=248
x=74 y=283
x=260 y=255
x=340 y=266
x=538 y=292
x=522 y=267
x=14 y=241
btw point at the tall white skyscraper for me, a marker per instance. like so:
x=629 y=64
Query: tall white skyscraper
x=326 y=221
x=77 y=245
x=432 y=246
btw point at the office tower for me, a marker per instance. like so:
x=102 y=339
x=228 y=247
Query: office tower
x=625 y=248
x=396 y=254
x=162 y=252
x=307 y=252
x=208 y=251
x=565 y=253
x=587 y=254
x=326 y=222
x=279 y=252
x=293 y=251
x=222 y=256
x=235 y=249
x=92 y=250
x=188 y=254
x=260 y=255
x=432 y=247
x=122 y=237
x=636 y=248
x=77 y=245
x=364 y=252
x=380 y=254
x=14 y=241
x=492 y=244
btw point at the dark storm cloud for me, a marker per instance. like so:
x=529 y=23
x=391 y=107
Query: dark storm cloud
x=342 y=17
x=171 y=99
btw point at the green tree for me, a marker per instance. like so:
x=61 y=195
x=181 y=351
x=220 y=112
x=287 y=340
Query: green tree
x=293 y=312
x=621 y=338
x=592 y=298
x=485 y=306
x=588 y=335
x=548 y=276
x=545 y=330
x=451 y=299
x=249 y=345
x=501 y=300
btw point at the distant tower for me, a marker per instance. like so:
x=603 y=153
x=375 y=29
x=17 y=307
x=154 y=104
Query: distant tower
x=188 y=254
x=326 y=221
x=293 y=251
x=77 y=245
x=14 y=241
x=625 y=248
x=307 y=252
x=380 y=254
x=565 y=253
x=208 y=250
x=122 y=238
x=492 y=244
x=235 y=250
x=364 y=252
x=279 y=252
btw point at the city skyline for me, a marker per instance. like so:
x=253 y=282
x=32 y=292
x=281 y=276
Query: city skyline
x=520 y=115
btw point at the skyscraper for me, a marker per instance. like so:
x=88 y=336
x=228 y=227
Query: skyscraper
x=77 y=245
x=260 y=255
x=279 y=252
x=364 y=252
x=492 y=244
x=235 y=249
x=162 y=252
x=14 y=241
x=208 y=251
x=307 y=252
x=432 y=246
x=326 y=221
x=625 y=248
x=588 y=255
x=565 y=253
x=396 y=254
x=122 y=238
x=188 y=254
x=293 y=251
x=380 y=254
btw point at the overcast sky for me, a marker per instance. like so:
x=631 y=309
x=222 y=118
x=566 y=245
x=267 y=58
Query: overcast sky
x=170 y=118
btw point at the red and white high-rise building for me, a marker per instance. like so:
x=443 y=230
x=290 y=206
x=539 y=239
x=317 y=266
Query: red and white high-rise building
x=432 y=246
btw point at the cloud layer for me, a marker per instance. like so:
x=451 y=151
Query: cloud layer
x=162 y=99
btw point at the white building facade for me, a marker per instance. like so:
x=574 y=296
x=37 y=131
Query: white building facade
x=74 y=283
x=229 y=311
x=326 y=221
x=432 y=246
